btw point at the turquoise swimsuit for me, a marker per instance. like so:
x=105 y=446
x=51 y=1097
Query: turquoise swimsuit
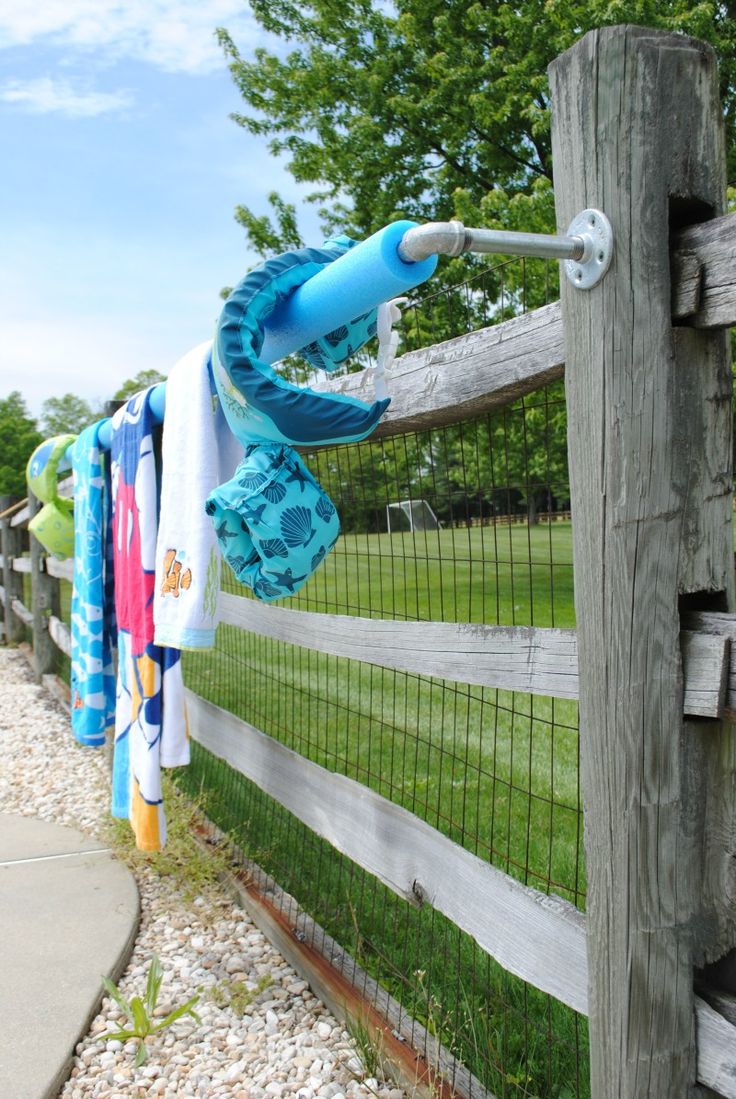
x=274 y=522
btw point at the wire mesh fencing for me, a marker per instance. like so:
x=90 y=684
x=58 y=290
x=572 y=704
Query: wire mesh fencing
x=468 y=523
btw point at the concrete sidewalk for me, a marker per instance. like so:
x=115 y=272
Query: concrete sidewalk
x=68 y=913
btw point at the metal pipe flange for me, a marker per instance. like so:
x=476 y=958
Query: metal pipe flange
x=594 y=229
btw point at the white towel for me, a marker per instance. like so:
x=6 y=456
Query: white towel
x=199 y=452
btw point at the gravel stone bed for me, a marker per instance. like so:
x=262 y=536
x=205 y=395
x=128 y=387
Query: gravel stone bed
x=287 y=1044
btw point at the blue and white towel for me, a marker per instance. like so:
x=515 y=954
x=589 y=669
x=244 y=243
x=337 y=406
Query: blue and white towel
x=150 y=727
x=93 y=621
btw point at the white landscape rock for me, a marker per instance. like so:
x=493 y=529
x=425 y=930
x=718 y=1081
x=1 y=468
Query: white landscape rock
x=287 y=1044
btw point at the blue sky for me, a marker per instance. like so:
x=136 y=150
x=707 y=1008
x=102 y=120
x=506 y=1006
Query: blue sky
x=120 y=173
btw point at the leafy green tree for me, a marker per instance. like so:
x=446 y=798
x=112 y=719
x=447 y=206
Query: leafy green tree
x=432 y=109
x=19 y=437
x=67 y=414
x=266 y=238
x=429 y=108
x=143 y=380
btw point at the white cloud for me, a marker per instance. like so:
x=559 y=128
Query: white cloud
x=46 y=95
x=175 y=35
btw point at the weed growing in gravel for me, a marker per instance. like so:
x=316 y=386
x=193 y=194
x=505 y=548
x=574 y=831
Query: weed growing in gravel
x=139 y=1012
x=196 y=869
x=369 y=1046
x=236 y=995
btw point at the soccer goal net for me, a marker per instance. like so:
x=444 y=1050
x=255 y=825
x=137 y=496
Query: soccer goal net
x=410 y=515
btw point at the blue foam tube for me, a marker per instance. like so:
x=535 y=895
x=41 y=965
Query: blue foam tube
x=368 y=274
x=158 y=406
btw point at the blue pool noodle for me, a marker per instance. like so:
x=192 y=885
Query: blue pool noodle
x=365 y=276
x=368 y=274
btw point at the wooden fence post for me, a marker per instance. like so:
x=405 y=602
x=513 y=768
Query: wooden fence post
x=44 y=603
x=637 y=133
x=11 y=545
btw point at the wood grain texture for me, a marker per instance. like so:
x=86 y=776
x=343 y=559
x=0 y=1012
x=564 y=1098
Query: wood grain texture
x=476 y=373
x=11 y=546
x=716 y=1044
x=62 y=570
x=713 y=246
x=722 y=1002
x=513 y=658
x=516 y=658
x=705 y=669
x=718 y=623
x=687 y=284
x=21 y=611
x=649 y=444
x=537 y=937
x=530 y=933
x=60 y=635
x=467 y=376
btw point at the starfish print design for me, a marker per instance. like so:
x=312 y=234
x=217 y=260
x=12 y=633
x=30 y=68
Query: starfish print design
x=276 y=460
x=300 y=477
x=254 y=515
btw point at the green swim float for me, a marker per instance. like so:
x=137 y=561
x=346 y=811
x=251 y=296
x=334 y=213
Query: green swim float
x=53 y=525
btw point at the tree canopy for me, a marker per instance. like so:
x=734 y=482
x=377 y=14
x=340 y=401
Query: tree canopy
x=68 y=414
x=429 y=108
x=434 y=109
x=143 y=380
x=19 y=437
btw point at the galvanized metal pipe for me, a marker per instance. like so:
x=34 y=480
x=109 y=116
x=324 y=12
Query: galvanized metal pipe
x=451 y=238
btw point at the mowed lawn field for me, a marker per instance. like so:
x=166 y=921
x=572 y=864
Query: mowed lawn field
x=501 y=574
x=495 y=771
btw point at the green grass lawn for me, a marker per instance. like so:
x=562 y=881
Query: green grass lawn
x=506 y=574
x=495 y=771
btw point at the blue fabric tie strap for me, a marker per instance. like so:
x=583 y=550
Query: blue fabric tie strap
x=274 y=522
x=258 y=404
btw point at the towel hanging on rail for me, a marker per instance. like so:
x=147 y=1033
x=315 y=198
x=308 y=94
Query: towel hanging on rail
x=150 y=719
x=92 y=619
x=198 y=451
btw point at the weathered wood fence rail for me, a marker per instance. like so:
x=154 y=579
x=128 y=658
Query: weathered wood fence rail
x=648 y=379
x=21 y=555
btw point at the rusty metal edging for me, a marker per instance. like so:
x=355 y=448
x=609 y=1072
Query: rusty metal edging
x=399 y=1059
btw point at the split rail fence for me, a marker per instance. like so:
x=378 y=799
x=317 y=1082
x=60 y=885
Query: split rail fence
x=647 y=368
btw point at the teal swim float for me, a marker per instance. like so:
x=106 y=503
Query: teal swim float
x=274 y=522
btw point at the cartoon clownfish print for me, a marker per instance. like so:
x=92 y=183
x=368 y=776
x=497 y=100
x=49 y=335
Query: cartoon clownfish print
x=176 y=577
